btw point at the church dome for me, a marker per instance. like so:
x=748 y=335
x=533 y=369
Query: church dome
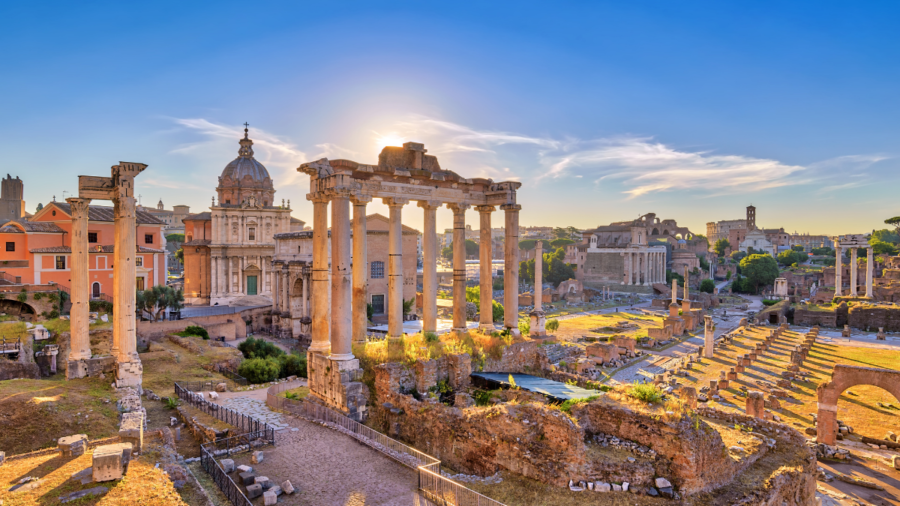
x=245 y=164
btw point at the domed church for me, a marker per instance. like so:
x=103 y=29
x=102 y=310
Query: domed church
x=228 y=250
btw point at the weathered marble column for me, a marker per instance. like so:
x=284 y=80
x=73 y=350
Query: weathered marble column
x=459 y=266
x=870 y=263
x=646 y=259
x=286 y=296
x=709 y=337
x=838 y=268
x=214 y=275
x=321 y=316
x=395 y=267
x=360 y=261
x=341 y=273
x=429 y=266
x=128 y=370
x=276 y=290
x=80 y=291
x=511 y=269
x=305 y=303
x=854 y=276
x=538 y=322
x=486 y=278
x=674 y=291
x=628 y=268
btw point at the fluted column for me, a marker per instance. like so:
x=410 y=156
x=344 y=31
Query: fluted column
x=395 y=267
x=341 y=273
x=80 y=291
x=360 y=261
x=854 y=268
x=511 y=268
x=838 y=268
x=321 y=316
x=429 y=266
x=486 y=278
x=870 y=263
x=459 y=266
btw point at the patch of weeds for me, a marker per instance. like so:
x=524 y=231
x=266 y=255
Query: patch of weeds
x=646 y=392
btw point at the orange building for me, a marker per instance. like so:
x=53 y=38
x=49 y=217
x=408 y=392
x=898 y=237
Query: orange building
x=37 y=251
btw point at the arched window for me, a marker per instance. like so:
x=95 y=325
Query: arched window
x=377 y=270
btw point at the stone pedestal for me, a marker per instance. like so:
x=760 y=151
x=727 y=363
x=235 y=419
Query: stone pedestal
x=131 y=430
x=338 y=385
x=826 y=424
x=72 y=446
x=538 y=324
x=756 y=405
x=110 y=462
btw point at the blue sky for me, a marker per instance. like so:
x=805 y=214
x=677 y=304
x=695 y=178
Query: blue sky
x=604 y=110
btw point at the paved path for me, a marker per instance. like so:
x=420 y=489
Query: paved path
x=253 y=403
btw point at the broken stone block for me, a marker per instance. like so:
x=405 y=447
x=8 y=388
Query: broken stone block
x=227 y=465
x=72 y=446
x=221 y=387
x=287 y=487
x=264 y=482
x=616 y=487
x=276 y=489
x=247 y=478
x=602 y=486
x=131 y=430
x=245 y=469
x=662 y=483
x=625 y=486
x=109 y=462
x=254 y=491
x=895 y=460
x=213 y=396
x=256 y=457
x=270 y=499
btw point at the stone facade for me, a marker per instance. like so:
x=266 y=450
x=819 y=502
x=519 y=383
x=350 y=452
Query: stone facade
x=338 y=384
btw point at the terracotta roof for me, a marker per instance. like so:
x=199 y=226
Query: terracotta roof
x=107 y=213
x=92 y=249
x=31 y=226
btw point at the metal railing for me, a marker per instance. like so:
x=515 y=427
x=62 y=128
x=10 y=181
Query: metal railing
x=230 y=446
x=432 y=485
x=10 y=345
x=234 y=376
x=245 y=423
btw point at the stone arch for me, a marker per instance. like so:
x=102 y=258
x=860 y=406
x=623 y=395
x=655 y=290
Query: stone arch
x=14 y=307
x=665 y=232
x=842 y=378
x=296 y=297
x=655 y=231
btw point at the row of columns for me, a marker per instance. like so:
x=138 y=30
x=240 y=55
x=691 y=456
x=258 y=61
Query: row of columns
x=646 y=265
x=854 y=268
x=335 y=327
x=282 y=286
x=222 y=272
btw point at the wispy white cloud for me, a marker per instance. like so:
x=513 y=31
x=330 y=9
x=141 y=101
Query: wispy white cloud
x=278 y=155
x=640 y=165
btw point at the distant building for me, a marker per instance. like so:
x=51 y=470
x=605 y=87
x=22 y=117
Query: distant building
x=12 y=205
x=174 y=219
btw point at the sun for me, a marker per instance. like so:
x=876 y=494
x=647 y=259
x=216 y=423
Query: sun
x=390 y=139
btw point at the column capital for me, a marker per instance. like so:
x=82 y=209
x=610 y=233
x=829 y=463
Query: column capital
x=511 y=207
x=485 y=209
x=360 y=200
x=458 y=208
x=318 y=198
x=79 y=206
x=394 y=201
x=429 y=204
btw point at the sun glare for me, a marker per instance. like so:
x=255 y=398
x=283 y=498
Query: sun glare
x=391 y=139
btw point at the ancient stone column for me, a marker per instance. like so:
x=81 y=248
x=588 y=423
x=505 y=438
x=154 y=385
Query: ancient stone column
x=395 y=267
x=276 y=291
x=486 y=278
x=646 y=259
x=128 y=370
x=459 y=266
x=341 y=284
x=709 y=336
x=80 y=290
x=870 y=262
x=321 y=317
x=360 y=261
x=674 y=291
x=838 y=268
x=854 y=268
x=629 y=268
x=538 y=322
x=429 y=267
x=305 y=303
x=511 y=269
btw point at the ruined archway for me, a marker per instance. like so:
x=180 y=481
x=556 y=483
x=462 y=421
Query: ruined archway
x=842 y=378
x=16 y=308
x=655 y=231
x=297 y=298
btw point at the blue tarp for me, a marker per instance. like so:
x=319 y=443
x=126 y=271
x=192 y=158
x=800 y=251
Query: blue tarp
x=553 y=389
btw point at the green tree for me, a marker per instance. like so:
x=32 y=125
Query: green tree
x=561 y=243
x=787 y=257
x=528 y=245
x=826 y=251
x=179 y=255
x=760 y=270
x=798 y=247
x=555 y=269
x=176 y=238
x=471 y=248
x=737 y=256
x=703 y=263
x=883 y=248
x=708 y=286
x=885 y=235
x=720 y=246
x=447 y=252
x=39 y=207
x=674 y=275
x=894 y=222
x=159 y=298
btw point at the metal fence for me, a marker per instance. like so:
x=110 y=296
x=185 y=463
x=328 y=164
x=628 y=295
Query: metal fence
x=230 y=446
x=245 y=423
x=234 y=376
x=432 y=485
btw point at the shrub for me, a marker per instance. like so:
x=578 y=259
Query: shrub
x=566 y=407
x=38 y=296
x=769 y=302
x=195 y=330
x=170 y=402
x=53 y=314
x=431 y=337
x=100 y=306
x=708 y=286
x=524 y=327
x=23 y=296
x=482 y=397
x=292 y=365
x=646 y=392
x=552 y=325
x=259 y=348
x=260 y=370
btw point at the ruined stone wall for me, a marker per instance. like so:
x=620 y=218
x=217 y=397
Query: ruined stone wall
x=866 y=317
x=14 y=370
x=807 y=317
x=696 y=453
x=519 y=358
